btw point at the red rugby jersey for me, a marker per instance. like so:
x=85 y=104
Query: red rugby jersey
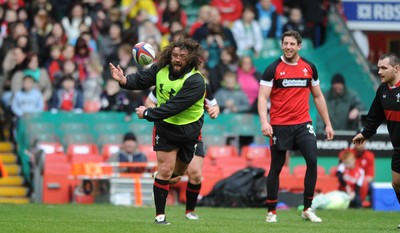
x=291 y=83
x=354 y=176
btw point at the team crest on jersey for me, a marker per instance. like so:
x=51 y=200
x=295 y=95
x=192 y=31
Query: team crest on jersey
x=398 y=97
x=305 y=72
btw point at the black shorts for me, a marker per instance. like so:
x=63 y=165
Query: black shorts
x=288 y=137
x=396 y=161
x=186 y=149
x=200 y=149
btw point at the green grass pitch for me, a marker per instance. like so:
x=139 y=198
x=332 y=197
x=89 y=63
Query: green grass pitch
x=107 y=218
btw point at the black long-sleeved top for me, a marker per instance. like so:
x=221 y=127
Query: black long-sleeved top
x=209 y=93
x=386 y=105
x=192 y=91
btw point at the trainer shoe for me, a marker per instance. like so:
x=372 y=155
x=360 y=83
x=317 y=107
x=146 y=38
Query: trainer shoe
x=271 y=217
x=309 y=215
x=192 y=216
x=161 y=219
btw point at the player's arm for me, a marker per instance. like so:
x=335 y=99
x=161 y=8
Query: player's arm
x=192 y=91
x=319 y=101
x=151 y=100
x=212 y=106
x=375 y=117
x=264 y=92
x=263 y=95
x=141 y=80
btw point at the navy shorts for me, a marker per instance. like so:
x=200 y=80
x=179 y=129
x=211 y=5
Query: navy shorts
x=396 y=161
x=288 y=137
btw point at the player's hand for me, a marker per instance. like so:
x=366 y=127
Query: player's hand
x=140 y=111
x=117 y=74
x=329 y=133
x=213 y=111
x=266 y=129
x=359 y=139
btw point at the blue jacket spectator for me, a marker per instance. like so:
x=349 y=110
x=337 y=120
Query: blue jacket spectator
x=129 y=153
x=269 y=19
x=27 y=100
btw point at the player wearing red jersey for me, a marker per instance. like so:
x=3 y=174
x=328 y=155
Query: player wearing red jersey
x=287 y=82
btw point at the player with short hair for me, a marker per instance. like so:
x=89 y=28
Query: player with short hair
x=287 y=82
x=179 y=116
x=386 y=106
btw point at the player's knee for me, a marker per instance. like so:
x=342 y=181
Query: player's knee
x=194 y=175
x=195 y=179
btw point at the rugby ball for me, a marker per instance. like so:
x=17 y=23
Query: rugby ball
x=143 y=53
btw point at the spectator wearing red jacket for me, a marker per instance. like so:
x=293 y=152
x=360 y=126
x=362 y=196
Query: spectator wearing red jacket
x=230 y=10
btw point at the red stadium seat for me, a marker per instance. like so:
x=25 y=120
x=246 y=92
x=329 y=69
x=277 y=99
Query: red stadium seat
x=109 y=149
x=56 y=185
x=82 y=149
x=147 y=149
x=50 y=147
x=95 y=158
x=257 y=156
x=60 y=157
x=254 y=152
x=216 y=152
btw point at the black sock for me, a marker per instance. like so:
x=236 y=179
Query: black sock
x=307 y=201
x=160 y=190
x=271 y=205
x=278 y=158
x=192 y=193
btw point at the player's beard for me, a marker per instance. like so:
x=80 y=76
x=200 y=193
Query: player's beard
x=177 y=73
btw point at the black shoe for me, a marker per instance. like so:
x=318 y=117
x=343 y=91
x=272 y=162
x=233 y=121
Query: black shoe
x=162 y=222
x=161 y=219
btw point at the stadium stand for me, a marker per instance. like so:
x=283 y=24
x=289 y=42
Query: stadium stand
x=57 y=134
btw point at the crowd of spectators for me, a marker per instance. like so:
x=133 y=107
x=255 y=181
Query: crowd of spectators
x=65 y=46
